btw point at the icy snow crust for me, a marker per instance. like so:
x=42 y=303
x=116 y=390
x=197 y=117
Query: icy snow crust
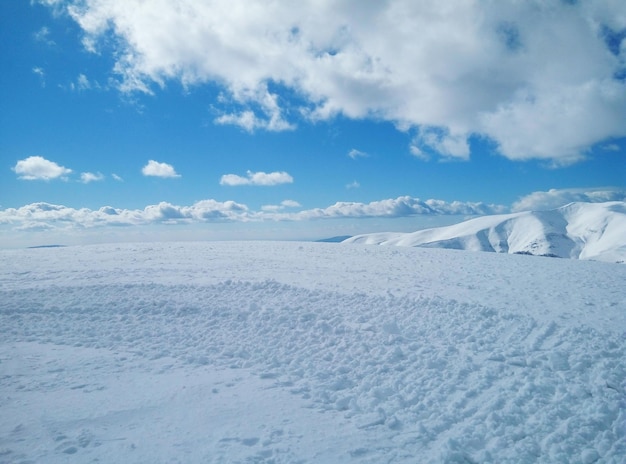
x=309 y=352
x=594 y=231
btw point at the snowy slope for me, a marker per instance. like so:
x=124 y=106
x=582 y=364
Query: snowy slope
x=579 y=230
x=309 y=352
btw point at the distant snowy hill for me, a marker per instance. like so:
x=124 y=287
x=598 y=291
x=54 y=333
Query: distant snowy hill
x=595 y=231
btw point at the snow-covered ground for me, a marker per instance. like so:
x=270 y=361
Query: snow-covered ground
x=594 y=231
x=309 y=352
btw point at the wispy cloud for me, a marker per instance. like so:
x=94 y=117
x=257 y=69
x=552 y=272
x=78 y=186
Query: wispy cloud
x=42 y=75
x=537 y=79
x=39 y=168
x=354 y=154
x=442 y=141
x=247 y=120
x=283 y=205
x=290 y=204
x=555 y=198
x=117 y=178
x=353 y=185
x=257 y=178
x=272 y=115
x=419 y=153
x=156 y=169
x=86 y=177
x=82 y=83
x=43 y=36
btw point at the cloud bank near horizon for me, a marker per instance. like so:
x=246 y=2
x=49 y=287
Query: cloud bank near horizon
x=542 y=80
x=554 y=198
x=46 y=216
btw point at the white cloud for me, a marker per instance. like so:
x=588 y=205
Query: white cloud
x=43 y=36
x=354 y=154
x=283 y=205
x=82 y=83
x=353 y=185
x=44 y=216
x=156 y=169
x=592 y=111
x=247 y=119
x=416 y=151
x=86 y=177
x=257 y=178
x=117 y=178
x=555 y=198
x=290 y=204
x=205 y=210
x=440 y=141
x=58 y=216
x=535 y=77
x=39 y=168
x=42 y=75
x=401 y=207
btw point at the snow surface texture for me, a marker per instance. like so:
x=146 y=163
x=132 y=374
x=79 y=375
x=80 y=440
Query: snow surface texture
x=309 y=352
x=595 y=231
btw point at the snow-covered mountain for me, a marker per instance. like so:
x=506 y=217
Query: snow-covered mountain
x=594 y=231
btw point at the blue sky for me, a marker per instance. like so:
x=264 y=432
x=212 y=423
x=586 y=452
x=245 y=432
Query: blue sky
x=190 y=119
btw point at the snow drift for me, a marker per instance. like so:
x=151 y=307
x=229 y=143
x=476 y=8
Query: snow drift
x=309 y=352
x=595 y=231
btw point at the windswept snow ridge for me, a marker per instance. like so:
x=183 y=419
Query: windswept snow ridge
x=595 y=231
x=312 y=352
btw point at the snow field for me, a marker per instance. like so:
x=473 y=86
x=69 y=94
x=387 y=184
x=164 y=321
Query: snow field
x=294 y=361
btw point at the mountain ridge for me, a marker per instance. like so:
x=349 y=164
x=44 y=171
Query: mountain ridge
x=595 y=231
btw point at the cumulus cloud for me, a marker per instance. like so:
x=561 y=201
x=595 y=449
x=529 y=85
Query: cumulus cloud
x=257 y=178
x=540 y=79
x=86 y=177
x=401 y=207
x=48 y=216
x=156 y=169
x=39 y=168
x=59 y=216
x=555 y=198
